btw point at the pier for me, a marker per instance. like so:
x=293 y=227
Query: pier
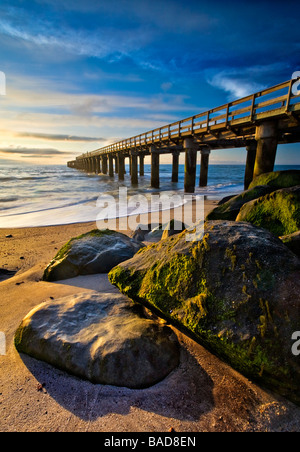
x=256 y=123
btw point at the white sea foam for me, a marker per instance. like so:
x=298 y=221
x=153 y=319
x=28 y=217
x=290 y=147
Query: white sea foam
x=52 y=195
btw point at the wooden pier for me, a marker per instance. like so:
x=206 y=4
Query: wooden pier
x=257 y=123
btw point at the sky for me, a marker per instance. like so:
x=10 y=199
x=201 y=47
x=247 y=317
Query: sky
x=81 y=74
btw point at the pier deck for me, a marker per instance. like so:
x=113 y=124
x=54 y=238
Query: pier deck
x=257 y=123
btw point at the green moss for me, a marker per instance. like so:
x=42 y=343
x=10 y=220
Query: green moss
x=278 y=212
x=278 y=179
x=241 y=330
x=230 y=254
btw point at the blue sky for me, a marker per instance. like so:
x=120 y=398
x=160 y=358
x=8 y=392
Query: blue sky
x=81 y=74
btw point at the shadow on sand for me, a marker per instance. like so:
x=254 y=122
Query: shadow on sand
x=185 y=394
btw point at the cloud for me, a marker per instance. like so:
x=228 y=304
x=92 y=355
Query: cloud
x=99 y=43
x=32 y=151
x=57 y=137
x=243 y=81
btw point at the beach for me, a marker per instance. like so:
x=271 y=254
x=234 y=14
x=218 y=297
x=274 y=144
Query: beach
x=201 y=394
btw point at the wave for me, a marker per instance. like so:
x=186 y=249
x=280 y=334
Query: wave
x=48 y=208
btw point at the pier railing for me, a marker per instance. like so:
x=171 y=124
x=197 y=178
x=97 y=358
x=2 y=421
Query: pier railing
x=258 y=122
x=269 y=103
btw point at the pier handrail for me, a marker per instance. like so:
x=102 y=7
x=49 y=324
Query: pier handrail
x=253 y=108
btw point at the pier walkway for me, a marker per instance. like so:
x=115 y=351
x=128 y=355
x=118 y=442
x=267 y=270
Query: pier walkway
x=257 y=123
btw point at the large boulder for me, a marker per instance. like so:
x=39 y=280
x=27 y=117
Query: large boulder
x=277 y=179
x=292 y=241
x=97 y=251
x=229 y=210
x=279 y=212
x=236 y=291
x=100 y=338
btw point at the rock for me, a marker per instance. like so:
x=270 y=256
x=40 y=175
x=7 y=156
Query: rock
x=230 y=209
x=277 y=179
x=101 y=338
x=146 y=232
x=225 y=199
x=292 y=241
x=279 y=212
x=172 y=228
x=97 y=251
x=155 y=233
x=236 y=292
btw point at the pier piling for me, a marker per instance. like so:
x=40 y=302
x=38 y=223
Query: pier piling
x=267 y=139
x=190 y=165
x=154 y=167
x=205 y=152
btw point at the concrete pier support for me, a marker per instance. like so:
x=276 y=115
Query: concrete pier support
x=116 y=164
x=104 y=164
x=129 y=165
x=90 y=165
x=190 y=165
x=267 y=140
x=134 y=167
x=94 y=165
x=205 y=152
x=250 y=162
x=175 y=166
x=110 y=165
x=154 y=167
x=98 y=165
x=121 y=166
x=142 y=166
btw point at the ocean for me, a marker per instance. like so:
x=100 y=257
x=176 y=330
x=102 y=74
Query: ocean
x=50 y=195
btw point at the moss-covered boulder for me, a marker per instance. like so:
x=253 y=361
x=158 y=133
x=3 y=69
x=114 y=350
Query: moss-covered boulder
x=277 y=179
x=230 y=209
x=279 y=212
x=236 y=291
x=97 y=251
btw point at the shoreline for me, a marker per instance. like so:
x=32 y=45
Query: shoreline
x=202 y=394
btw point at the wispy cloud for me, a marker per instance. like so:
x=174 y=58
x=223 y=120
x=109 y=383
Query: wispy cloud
x=32 y=151
x=243 y=81
x=57 y=137
x=99 y=43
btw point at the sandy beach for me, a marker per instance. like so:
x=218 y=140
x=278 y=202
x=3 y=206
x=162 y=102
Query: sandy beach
x=202 y=394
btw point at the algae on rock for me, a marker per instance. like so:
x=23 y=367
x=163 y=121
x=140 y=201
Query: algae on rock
x=279 y=212
x=236 y=291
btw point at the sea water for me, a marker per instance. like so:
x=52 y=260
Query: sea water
x=51 y=195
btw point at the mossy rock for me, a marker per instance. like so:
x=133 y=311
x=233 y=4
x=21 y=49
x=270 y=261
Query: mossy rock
x=236 y=292
x=277 y=179
x=279 y=212
x=97 y=251
x=230 y=209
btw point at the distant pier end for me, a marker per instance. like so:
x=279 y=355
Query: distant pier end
x=257 y=123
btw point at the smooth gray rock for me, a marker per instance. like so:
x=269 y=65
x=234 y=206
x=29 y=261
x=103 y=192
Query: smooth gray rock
x=97 y=251
x=101 y=338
